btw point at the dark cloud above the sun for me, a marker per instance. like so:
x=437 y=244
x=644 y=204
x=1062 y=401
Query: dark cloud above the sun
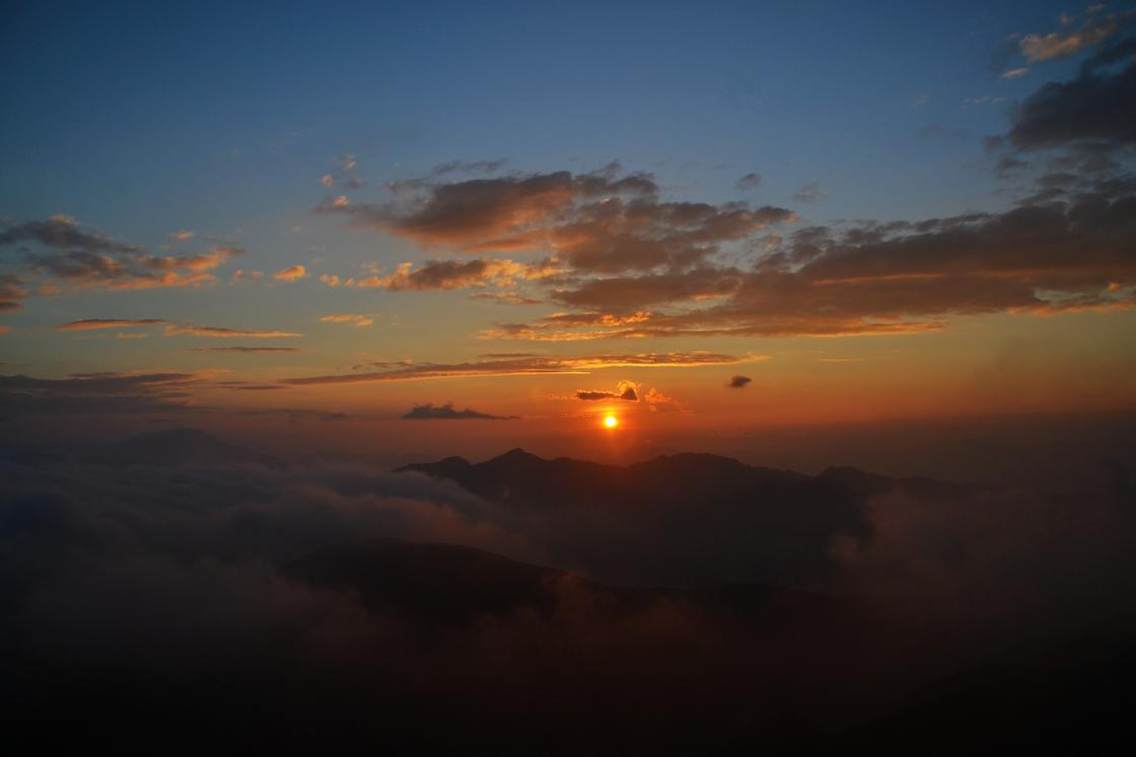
x=739 y=382
x=627 y=391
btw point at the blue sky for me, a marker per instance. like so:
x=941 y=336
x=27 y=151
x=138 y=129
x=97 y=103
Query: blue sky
x=215 y=114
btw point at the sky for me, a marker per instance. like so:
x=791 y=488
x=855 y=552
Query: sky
x=462 y=221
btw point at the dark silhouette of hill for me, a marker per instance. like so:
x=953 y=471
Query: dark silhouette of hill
x=685 y=518
x=521 y=477
x=450 y=584
x=432 y=582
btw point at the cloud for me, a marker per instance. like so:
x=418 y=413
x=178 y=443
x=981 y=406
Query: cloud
x=599 y=221
x=880 y=278
x=430 y=412
x=457 y=274
x=1037 y=47
x=244 y=349
x=61 y=249
x=62 y=232
x=739 y=382
x=1100 y=104
x=748 y=182
x=1014 y=73
x=118 y=393
x=12 y=292
x=811 y=192
x=468 y=167
x=291 y=273
x=626 y=391
x=93 y=324
x=505 y=298
x=530 y=366
x=219 y=332
x=350 y=318
x=627 y=292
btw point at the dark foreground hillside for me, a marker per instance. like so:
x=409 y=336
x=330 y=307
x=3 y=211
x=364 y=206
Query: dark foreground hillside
x=182 y=603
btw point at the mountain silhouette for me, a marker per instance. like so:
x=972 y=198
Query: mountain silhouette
x=684 y=518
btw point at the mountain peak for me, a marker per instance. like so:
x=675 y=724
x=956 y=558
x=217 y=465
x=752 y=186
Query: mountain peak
x=516 y=455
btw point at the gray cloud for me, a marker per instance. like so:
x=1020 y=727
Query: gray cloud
x=748 y=182
x=431 y=412
x=1100 y=104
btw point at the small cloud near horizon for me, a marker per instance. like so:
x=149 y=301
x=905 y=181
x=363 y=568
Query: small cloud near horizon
x=430 y=412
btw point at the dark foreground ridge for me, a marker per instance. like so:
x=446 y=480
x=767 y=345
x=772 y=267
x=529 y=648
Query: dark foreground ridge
x=177 y=593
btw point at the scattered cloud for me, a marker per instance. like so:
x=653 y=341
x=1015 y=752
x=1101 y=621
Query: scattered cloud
x=1042 y=47
x=505 y=298
x=739 y=382
x=1098 y=105
x=85 y=393
x=244 y=349
x=291 y=273
x=431 y=412
x=456 y=274
x=93 y=324
x=348 y=318
x=1014 y=73
x=811 y=192
x=12 y=292
x=748 y=182
x=600 y=221
x=219 y=332
x=61 y=250
x=530 y=365
x=627 y=391
x=880 y=278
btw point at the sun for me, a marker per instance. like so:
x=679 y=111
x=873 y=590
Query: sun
x=610 y=421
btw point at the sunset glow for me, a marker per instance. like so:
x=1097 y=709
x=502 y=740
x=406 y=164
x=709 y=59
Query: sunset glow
x=577 y=377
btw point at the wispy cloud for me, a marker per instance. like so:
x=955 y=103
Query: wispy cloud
x=219 y=332
x=352 y=319
x=244 y=349
x=531 y=366
x=94 y=324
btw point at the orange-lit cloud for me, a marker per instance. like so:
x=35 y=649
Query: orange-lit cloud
x=93 y=324
x=451 y=274
x=626 y=391
x=348 y=318
x=245 y=349
x=71 y=255
x=532 y=366
x=227 y=333
x=291 y=273
x=599 y=221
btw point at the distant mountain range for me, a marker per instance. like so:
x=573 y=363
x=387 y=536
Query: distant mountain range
x=682 y=519
x=520 y=476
